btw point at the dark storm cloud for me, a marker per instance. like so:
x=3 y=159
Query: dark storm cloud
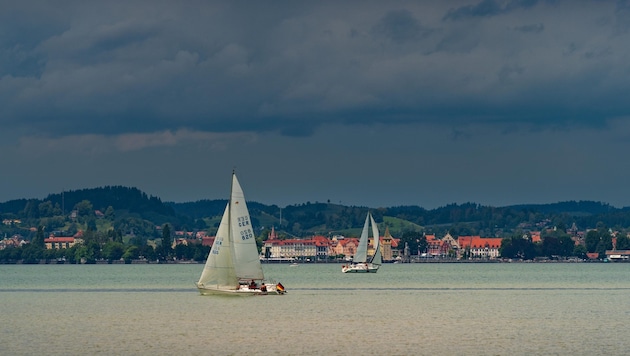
x=401 y=26
x=139 y=67
x=484 y=8
x=488 y=8
x=495 y=102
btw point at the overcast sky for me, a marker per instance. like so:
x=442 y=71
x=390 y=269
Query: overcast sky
x=371 y=103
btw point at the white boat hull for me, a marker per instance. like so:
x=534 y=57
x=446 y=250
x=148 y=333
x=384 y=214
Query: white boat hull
x=360 y=268
x=272 y=289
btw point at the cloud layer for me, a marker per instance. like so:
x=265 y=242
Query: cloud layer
x=117 y=81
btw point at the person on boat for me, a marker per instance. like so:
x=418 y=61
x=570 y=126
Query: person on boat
x=252 y=285
x=263 y=288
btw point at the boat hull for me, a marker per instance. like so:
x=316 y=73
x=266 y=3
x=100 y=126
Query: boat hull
x=360 y=268
x=243 y=291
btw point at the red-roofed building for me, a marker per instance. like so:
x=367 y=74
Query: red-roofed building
x=536 y=236
x=54 y=243
x=320 y=247
x=441 y=247
x=343 y=246
x=435 y=246
x=480 y=247
x=207 y=240
x=592 y=255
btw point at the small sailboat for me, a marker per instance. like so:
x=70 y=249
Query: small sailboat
x=360 y=262
x=233 y=266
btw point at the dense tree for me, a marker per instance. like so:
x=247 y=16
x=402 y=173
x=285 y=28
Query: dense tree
x=109 y=213
x=31 y=254
x=591 y=240
x=45 y=208
x=167 y=239
x=518 y=247
x=91 y=223
x=132 y=252
x=201 y=253
x=113 y=251
x=557 y=243
x=416 y=241
x=186 y=252
x=38 y=241
x=84 y=208
x=623 y=242
x=598 y=241
x=88 y=252
x=31 y=209
x=115 y=235
x=579 y=251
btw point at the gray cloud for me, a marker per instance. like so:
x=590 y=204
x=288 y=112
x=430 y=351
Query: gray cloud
x=487 y=8
x=216 y=66
x=401 y=26
x=204 y=79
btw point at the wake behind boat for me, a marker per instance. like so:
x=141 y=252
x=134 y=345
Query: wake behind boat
x=360 y=262
x=233 y=266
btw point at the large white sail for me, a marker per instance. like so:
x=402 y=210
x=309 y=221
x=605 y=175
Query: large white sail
x=378 y=257
x=246 y=259
x=218 y=271
x=233 y=258
x=361 y=254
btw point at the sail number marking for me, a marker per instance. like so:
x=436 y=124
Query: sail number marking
x=217 y=246
x=243 y=221
x=246 y=234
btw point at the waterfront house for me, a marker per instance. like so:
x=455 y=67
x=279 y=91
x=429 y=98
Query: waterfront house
x=480 y=247
x=56 y=243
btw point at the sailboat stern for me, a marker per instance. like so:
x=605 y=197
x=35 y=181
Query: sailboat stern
x=274 y=288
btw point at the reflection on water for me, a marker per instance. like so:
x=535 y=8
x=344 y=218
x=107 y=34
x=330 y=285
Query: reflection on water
x=453 y=309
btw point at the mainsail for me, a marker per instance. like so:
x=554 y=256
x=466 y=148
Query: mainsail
x=246 y=259
x=360 y=255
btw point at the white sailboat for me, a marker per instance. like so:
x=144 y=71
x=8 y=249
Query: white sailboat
x=360 y=262
x=233 y=266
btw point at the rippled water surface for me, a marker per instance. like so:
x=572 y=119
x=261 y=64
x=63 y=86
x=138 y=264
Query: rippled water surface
x=404 y=309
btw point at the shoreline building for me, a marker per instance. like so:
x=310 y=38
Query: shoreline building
x=321 y=248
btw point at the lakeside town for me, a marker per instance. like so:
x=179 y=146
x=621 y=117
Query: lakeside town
x=338 y=248
x=124 y=225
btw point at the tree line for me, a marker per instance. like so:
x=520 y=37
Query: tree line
x=127 y=221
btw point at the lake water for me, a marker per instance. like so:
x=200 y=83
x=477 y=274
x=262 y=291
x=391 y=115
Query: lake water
x=404 y=309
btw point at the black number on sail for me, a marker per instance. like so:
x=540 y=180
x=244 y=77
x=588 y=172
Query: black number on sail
x=246 y=234
x=217 y=247
x=243 y=221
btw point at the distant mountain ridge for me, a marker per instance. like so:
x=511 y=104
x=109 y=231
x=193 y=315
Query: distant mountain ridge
x=572 y=207
x=310 y=218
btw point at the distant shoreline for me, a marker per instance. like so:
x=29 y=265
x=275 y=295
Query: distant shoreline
x=434 y=261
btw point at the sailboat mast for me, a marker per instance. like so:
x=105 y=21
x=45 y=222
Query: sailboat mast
x=230 y=236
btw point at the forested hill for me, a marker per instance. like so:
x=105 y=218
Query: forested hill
x=467 y=218
x=208 y=208
x=569 y=207
x=118 y=197
x=309 y=218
